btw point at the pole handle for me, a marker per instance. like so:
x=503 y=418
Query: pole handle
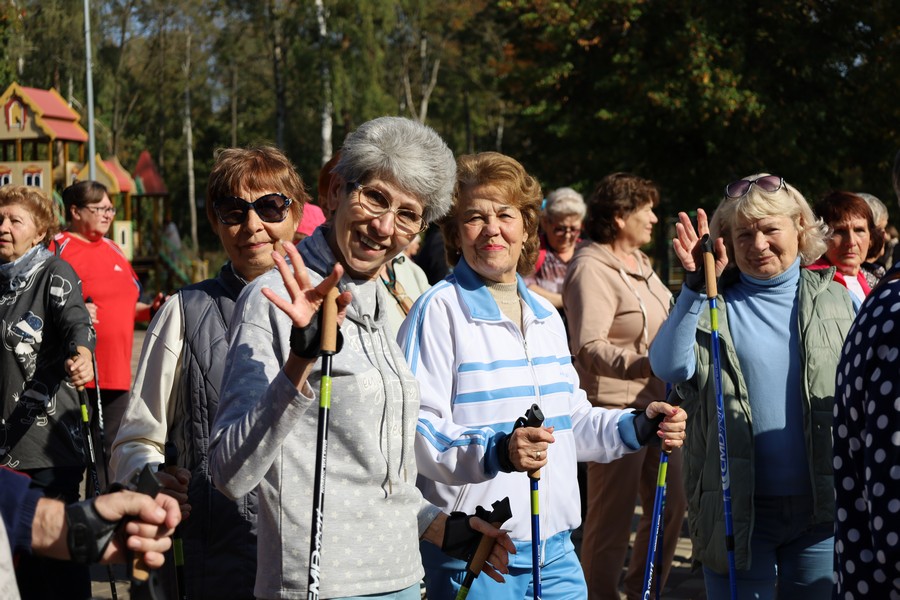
x=73 y=353
x=482 y=552
x=534 y=417
x=329 y=322
x=709 y=266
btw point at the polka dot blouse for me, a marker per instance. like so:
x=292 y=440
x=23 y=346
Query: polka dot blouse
x=867 y=451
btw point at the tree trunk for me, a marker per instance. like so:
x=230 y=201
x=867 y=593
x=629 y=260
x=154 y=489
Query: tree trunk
x=278 y=72
x=189 y=143
x=325 y=72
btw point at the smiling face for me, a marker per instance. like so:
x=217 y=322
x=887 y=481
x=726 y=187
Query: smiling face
x=636 y=228
x=849 y=244
x=18 y=232
x=249 y=245
x=765 y=248
x=491 y=233
x=364 y=243
x=92 y=221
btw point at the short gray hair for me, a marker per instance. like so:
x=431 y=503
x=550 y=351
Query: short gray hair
x=564 y=202
x=404 y=152
x=879 y=210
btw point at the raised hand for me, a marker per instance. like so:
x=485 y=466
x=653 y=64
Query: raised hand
x=688 y=248
x=305 y=298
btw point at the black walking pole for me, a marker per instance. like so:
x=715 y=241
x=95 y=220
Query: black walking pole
x=104 y=460
x=171 y=453
x=328 y=347
x=90 y=457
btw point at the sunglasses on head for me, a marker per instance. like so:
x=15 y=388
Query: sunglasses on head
x=767 y=183
x=271 y=208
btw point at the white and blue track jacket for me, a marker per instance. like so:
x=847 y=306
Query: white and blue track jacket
x=477 y=375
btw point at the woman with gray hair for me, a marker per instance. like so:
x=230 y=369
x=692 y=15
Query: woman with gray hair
x=393 y=178
x=780 y=330
x=561 y=221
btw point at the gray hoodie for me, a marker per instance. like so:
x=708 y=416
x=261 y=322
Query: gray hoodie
x=265 y=435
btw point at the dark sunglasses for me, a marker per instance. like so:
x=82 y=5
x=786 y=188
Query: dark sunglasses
x=271 y=208
x=767 y=183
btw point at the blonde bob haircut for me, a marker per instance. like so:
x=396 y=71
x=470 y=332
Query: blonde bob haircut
x=759 y=204
x=521 y=190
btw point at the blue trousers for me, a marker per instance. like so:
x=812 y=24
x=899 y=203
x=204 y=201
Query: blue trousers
x=410 y=593
x=788 y=554
x=561 y=574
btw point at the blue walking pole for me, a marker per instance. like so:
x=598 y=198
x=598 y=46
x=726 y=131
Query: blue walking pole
x=654 y=554
x=534 y=418
x=712 y=293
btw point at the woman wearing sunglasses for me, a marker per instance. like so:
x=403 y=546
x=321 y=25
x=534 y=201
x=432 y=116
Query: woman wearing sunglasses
x=781 y=328
x=394 y=177
x=254 y=200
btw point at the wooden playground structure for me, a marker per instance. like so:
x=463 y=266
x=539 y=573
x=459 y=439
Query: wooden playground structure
x=43 y=145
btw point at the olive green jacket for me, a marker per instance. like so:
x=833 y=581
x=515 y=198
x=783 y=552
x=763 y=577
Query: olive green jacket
x=825 y=314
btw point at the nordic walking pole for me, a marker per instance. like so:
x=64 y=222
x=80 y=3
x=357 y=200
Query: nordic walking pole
x=500 y=514
x=89 y=455
x=103 y=458
x=171 y=453
x=712 y=292
x=534 y=418
x=654 y=555
x=328 y=325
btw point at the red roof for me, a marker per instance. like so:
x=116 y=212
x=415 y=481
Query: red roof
x=122 y=177
x=53 y=116
x=49 y=103
x=65 y=130
x=146 y=171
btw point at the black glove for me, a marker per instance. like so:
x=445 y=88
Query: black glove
x=645 y=428
x=306 y=342
x=88 y=533
x=696 y=280
x=460 y=540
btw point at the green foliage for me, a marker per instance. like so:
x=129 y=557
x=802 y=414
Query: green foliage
x=691 y=94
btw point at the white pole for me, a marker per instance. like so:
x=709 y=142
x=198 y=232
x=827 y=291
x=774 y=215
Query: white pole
x=92 y=162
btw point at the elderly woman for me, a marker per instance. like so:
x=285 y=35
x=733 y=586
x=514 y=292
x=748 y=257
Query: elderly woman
x=484 y=349
x=854 y=239
x=254 y=200
x=616 y=305
x=781 y=328
x=111 y=290
x=561 y=221
x=394 y=176
x=42 y=314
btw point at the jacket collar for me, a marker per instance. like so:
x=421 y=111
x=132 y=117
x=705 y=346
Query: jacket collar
x=478 y=299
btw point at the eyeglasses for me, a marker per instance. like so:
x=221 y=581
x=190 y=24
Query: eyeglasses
x=376 y=204
x=271 y=208
x=567 y=230
x=101 y=210
x=768 y=183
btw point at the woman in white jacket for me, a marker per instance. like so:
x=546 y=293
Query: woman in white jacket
x=484 y=349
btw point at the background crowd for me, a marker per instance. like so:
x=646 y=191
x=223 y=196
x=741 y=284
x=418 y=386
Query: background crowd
x=543 y=301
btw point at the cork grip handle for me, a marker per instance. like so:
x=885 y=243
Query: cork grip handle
x=329 y=322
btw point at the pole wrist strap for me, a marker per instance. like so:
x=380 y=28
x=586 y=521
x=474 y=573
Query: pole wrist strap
x=88 y=533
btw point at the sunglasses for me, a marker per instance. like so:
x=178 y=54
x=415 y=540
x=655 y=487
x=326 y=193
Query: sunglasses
x=767 y=183
x=271 y=208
